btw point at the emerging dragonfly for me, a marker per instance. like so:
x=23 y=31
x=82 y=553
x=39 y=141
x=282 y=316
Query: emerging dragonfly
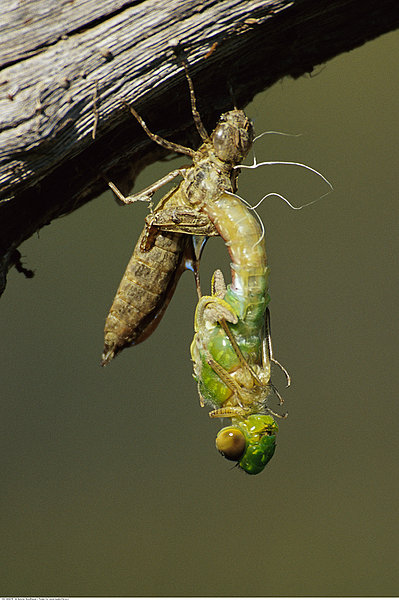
x=231 y=349
x=163 y=252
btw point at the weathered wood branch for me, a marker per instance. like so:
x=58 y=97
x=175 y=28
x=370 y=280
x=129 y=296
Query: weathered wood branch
x=66 y=65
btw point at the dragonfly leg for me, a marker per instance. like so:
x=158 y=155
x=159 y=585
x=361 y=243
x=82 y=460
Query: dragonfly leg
x=230 y=382
x=193 y=257
x=148 y=192
x=196 y=116
x=245 y=365
x=201 y=399
x=276 y=414
x=157 y=138
x=180 y=220
x=269 y=350
x=216 y=309
x=237 y=350
x=183 y=219
x=195 y=267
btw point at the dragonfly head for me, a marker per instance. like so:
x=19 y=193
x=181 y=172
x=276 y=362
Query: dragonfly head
x=251 y=442
x=233 y=136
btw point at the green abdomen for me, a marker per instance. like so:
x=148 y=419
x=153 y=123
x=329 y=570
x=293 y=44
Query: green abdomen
x=248 y=335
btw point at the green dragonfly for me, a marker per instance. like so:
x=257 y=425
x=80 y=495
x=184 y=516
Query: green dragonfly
x=231 y=349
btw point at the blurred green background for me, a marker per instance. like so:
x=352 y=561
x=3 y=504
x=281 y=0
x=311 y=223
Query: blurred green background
x=110 y=482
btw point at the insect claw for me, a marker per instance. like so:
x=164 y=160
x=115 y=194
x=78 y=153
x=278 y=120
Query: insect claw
x=279 y=396
x=284 y=370
x=276 y=414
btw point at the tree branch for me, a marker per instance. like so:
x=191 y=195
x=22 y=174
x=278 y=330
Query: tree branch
x=64 y=74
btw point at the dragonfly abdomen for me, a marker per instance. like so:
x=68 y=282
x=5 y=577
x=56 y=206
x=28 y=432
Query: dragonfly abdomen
x=144 y=293
x=243 y=236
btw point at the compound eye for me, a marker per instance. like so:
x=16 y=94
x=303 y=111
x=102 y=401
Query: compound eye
x=230 y=442
x=221 y=141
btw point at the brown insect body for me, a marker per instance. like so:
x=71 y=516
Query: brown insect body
x=151 y=276
x=144 y=292
x=166 y=247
